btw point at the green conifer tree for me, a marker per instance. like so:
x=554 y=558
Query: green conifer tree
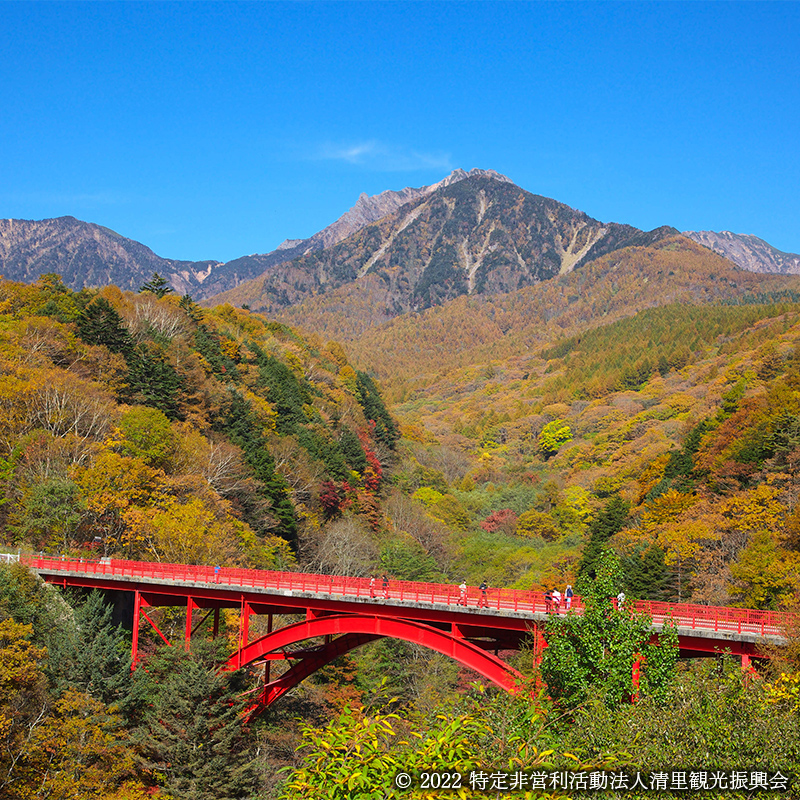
x=156 y=285
x=152 y=380
x=352 y=450
x=375 y=410
x=608 y=522
x=647 y=575
x=191 y=725
x=240 y=425
x=100 y=664
x=99 y=323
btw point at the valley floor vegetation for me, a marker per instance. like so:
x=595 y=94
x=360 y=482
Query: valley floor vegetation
x=658 y=452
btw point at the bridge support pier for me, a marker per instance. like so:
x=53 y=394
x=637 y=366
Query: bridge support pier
x=190 y=607
x=636 y=674
x=137 y=607
x=244 y=630
x=268 y=662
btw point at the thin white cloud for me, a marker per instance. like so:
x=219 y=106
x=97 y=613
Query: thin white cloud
x=353 y=154
x=383 y=157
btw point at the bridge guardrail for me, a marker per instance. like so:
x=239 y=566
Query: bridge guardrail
x=685 y=615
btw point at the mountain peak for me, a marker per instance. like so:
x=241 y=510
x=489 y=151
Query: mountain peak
x=371 y=208
x=460 y=175
x=473 y=232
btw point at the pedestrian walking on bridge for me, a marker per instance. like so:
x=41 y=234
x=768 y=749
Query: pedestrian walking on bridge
x=484 y=600
x=462 y=597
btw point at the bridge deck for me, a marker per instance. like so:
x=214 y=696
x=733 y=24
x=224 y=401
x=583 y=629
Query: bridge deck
x=294 y=590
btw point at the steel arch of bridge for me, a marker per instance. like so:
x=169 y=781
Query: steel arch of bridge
x=354 y=630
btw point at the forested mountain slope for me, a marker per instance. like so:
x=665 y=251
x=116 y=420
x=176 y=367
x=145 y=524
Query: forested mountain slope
x=411 y=350
x=671 y=435
x=142 y=426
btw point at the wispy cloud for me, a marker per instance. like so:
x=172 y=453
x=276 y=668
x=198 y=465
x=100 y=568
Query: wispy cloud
x=384 y=157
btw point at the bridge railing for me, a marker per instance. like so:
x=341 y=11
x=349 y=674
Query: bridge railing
x=497 y=599
x=717 y=618
x=685 y=615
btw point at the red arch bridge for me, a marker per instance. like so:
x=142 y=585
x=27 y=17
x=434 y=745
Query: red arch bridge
x=335 y=614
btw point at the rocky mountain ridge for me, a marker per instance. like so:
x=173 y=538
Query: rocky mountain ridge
x=748 y=251
x=479 y=234
x=87 y=254
x=368 y=209
x=418 y=247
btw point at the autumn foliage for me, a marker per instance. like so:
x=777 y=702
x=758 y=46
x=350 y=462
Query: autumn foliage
x=143 y=426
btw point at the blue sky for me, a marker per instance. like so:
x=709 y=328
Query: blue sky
x=214 y=130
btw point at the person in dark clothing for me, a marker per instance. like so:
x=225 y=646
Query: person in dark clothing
x=484 y=600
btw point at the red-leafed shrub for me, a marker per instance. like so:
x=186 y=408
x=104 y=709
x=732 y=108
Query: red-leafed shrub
x=331 y=498
x=373 y=474
x=503 y=520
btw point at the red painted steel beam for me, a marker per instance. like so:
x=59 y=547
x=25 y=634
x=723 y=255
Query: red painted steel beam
x=190 y=607
x=308 y=665
x=155 y=628
x=690 y=646
x=137 y=608
x=465 y=652
x=199 y=624
x=244 y=630
x=704 y=646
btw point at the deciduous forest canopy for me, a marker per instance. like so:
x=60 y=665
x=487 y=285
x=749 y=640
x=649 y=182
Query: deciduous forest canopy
x=139 y=425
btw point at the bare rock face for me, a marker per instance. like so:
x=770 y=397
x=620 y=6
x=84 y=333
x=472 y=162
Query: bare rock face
x=371 y=209
x=748 y=251
x=366 y=210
